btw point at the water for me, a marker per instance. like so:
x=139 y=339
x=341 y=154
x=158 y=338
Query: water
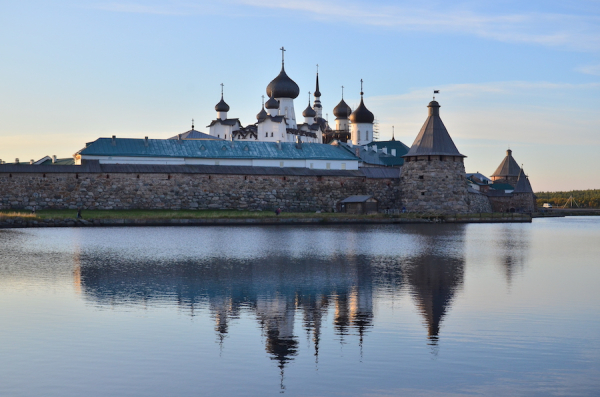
x=503 y=309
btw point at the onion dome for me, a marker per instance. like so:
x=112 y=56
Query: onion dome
x=272 y=103
x=283 y=87
x=262 y=114
x=309 y=112
x=362 y=114
x=222 y=106
x=342 y=110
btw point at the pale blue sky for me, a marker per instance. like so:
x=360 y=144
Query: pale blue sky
x=524 y=75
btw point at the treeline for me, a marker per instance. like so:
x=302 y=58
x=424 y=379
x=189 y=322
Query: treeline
x=584 y=198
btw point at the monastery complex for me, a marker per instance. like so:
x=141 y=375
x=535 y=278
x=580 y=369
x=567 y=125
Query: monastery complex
x=275 y=162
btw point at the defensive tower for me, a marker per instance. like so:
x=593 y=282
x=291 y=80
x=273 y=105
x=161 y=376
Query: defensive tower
x=433 y=175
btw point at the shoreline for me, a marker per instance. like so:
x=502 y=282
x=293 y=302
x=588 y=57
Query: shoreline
x=19 y=223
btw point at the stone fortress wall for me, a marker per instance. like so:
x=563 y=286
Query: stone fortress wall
x=173 y=190
x=422 y=179
x=130 y=190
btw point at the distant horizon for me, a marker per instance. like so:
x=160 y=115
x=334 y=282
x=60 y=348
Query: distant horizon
x=524 y=76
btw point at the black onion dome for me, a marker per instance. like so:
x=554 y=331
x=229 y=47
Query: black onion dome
x=342 y=110
x=309 y=112
x=222 y=106
x=272 y=103
x=362 y=114
x=283 y=87
x=262 y=114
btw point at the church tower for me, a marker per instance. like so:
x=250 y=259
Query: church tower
x=317 y=104
x=285 y=90
x=341 y=112
x=433 y=174
x=362 y=123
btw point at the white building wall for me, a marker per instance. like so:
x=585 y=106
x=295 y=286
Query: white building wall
x=362 y=133
x=269 y=131
x=319 y=164
x=342 y=124
x=286 y=108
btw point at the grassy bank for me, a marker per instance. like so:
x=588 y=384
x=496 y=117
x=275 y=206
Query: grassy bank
x=176 y=214
x=225 y=214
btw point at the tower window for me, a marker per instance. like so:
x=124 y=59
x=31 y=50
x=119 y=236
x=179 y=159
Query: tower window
x=266 y=134
x=271 y=134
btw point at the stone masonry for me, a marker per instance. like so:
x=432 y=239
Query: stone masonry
x=432 y=185
x=189 y=191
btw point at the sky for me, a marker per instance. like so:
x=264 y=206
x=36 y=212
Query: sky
x=511 y=74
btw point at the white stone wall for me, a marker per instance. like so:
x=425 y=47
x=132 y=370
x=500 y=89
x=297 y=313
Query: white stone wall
x=362 y=133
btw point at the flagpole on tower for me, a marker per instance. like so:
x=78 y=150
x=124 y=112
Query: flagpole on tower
x=435 y=92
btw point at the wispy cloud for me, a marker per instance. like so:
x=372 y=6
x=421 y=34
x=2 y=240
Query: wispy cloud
x=572 y=31
x=594 y=70
x=581 y=32
x=514 y=111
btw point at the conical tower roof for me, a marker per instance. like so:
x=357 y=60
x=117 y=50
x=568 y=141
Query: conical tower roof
x=433 y=139
x=523 y=185
x=508 y=166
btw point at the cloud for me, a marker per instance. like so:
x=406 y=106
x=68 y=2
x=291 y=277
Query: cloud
x=580 y=32
x=571 y=31
x=513 y=111
x=594 y=70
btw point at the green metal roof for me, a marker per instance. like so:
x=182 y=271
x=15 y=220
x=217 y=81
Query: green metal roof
x=501 y=186
x=211 y=149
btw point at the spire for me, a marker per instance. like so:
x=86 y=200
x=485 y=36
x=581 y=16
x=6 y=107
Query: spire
x=282 y=54
x=192 y=123
x=433 y=139
x=317 y=92
x=393 y=138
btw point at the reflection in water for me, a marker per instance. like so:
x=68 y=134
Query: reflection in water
x=276 y=288
x=513 y=246
x=323 y=310
x=436 y=274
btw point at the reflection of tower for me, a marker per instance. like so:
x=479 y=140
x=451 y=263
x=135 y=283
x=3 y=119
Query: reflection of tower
x=435 y=275
x=513 y=242
x=276 y=315
x=221 y=307
x=314 y=308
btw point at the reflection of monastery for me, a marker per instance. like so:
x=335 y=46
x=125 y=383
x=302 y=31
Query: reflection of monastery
x=427 y=177
x=286 y=292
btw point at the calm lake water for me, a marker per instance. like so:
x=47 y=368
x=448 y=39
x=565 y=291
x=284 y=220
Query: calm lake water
x=442 y=310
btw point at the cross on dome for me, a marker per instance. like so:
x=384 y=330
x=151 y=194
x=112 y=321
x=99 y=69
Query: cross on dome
x=282 y=53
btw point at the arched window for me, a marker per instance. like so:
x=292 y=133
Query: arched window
x=266 y=134
x=271 y=134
